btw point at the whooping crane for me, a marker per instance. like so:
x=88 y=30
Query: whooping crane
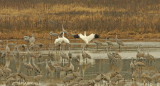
x=86 y=38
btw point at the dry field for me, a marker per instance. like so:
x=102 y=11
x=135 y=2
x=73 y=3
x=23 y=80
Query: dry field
x=137 y=19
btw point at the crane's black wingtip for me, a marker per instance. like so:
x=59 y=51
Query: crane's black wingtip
x=76 y=36
x=96 y=36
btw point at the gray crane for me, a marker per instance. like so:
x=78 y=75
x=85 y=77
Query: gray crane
x=109 y=43
x=58 y=34
x=119 y=42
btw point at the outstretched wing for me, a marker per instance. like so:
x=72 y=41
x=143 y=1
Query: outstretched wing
x=84 y=38
x=66 y=40
x=90 y=37
x=76 y=36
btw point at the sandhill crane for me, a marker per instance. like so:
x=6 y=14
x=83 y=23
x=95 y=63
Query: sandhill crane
x=68 y=78
x=10 y=81
x=53 y=34
x=89 y=83
x=7 y=48
x=107 y=77
x=64 y=56
x=24 y=47
x=58 y=34
x=3 y=55
x=37 y=78
x=84 y=67
x=28 y=66
x=70 y=55
x=146 y=77
x=77 y=73
x=149 y=57
x=117 y=78
x=140 y=55
x=53 y=63
x=110 y=57
x=116 y=55
x=71 y=66
x=119 y=42
x=78 y=58
x=16 y=53
x=140 y=65
x=7 y=63
x=135 y=74
x=85 y=56
x=75 y=81
x=26 y=38
x=1 y=72
x=86 y=38
x=109 y=43
x=99 y=78
x=97 y=43
x=132 y=66
x=36 y=68
x=48 y=69
x=133 y=83
x=56 y=66
x=156 y=77
x=1 y=42
x=32 y=39
x=7 y=71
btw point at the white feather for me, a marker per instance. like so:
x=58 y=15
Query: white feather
x=90 y=37
x=60 y=40
x=85 y=38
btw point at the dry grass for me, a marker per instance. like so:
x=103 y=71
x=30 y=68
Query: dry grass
x=139 y=22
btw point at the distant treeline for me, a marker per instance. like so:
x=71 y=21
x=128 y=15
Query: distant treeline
x=140 y=16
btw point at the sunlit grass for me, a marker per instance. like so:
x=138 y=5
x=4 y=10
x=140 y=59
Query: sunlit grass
x=104 y=20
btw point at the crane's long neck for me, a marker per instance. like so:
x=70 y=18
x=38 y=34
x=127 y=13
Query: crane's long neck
x=71 y=32
x=7 y=42
x=84 y=33
x=17 y=48
x=78 y=70
x=63 y=34
x=33 y=60
x=46 y=63
x=29 y=60
x=138 y=48
x=27 y=50
x=62 y=28
x=116 y=38
x=32 y=35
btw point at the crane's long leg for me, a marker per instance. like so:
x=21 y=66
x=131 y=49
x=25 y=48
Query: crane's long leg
x=86 y=47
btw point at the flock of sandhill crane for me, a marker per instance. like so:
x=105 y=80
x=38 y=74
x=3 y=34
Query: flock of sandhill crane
x=27 y=63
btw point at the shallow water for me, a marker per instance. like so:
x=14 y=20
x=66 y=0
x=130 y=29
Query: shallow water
x=99 y=62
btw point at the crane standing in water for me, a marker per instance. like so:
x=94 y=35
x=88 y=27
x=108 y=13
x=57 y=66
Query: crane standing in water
x=119 y=42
